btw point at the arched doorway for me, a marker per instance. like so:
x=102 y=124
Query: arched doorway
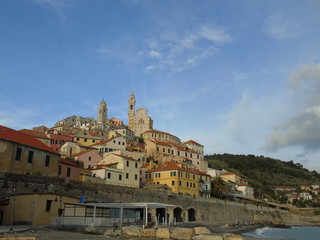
x=177 y=214
x=161 y=213
x=191 y=215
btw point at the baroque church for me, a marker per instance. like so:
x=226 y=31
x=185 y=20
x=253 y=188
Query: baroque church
x=138 y=120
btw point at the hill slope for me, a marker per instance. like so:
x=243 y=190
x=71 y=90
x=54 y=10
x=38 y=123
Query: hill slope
x=264 y=173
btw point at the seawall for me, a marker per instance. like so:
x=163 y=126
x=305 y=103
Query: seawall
x=204 y=209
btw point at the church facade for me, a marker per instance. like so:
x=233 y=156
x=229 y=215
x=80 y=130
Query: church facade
x=138 y=120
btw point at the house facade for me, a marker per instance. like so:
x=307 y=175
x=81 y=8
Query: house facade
x=23 y=154
x=69 y=170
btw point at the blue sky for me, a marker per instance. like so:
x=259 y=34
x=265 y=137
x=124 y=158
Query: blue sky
x=240 y=77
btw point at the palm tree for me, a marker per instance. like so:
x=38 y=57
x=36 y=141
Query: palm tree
x=218 y=187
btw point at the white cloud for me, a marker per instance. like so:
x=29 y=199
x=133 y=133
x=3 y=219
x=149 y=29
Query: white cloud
x=171 y=50
x=303 y=129
x=58 y=6
x=281 y=26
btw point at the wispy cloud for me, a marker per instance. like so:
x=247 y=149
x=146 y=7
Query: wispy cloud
x=282 y=26
x=58 y=6
x=15 y=116
x=172 y=50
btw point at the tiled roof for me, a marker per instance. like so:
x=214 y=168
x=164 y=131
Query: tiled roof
x=23 y=138
x=35 y=133
x=171 y=144
x=94 y=134
x=103 y=142
x=193 y=142
x=101 y=166
x=159 y=132
x=228 y=173
x=169 y=166
x=145 y=165
x=81 y=153
x=65 y=161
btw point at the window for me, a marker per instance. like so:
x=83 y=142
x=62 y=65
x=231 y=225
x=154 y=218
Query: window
x=48 y=205
x=85 y=140
x=18 y=154
x=90 y=158
x=30 y=157
x=127 y=163
x=163 y=150
x=136 y=177
x=178 y=153
x=136 y=165
x=172 y=174
x=109 y=175
x=172 y=183
x=168 y=150
x=123 y=143
x=194 y=176
x=127 y=175
x=187 y=184
x=47 y=162
x=93 y=140
x=120 y=177
x=157 y=149
x=68 y=172
x=179 y=183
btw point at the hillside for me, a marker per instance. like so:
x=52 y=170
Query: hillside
x=264 y=173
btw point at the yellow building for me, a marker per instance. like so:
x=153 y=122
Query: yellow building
x=160 y=136
x=181 y=180
x=23 y=154
x=87 y=138
x=33 y=208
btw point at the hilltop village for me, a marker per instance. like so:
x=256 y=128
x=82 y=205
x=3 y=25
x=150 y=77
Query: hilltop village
x=107 y=152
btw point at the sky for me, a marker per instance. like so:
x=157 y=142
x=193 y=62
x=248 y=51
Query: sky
x=239 y=77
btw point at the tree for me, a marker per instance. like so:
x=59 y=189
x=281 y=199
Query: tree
x=218 y=187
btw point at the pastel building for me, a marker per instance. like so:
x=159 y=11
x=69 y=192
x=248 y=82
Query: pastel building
x=118 y=170
x=23 y=154
x=110 y=145
x=89 y=157
x=160 y=136
x=180 y=179
x=69 y=170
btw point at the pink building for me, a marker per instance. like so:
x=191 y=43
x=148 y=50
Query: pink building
x=89 y=158
x=69 y=170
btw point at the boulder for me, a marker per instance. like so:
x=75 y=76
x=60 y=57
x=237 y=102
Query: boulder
x=182 y=233
x=149 y=232
x=230 y=236
x=202 y=231
x=112 y=232
x=207 y=237
x=163 y=233
x=131 y=231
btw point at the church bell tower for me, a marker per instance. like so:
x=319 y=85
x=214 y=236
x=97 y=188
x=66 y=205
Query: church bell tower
x=102 y=113
x=131 y=111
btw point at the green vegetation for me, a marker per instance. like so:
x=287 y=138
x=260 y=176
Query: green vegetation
x=263 y=173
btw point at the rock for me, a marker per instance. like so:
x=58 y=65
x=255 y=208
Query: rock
x=131 y=231
x=112 y=232
x=182 y=233
x=149 y=232
x=230 y=236
x=207 y=237
x=202 y=231
x=163 y=233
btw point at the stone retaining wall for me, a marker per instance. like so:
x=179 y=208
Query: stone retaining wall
x=206 y=210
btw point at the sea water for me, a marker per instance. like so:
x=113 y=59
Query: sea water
x=294 y=233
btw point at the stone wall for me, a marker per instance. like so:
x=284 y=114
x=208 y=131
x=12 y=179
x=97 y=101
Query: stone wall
x=206 y=210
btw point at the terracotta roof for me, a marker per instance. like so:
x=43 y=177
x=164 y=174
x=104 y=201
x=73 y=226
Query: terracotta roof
x=35 y=133
x=169 y=166
x=244 y=185
x=193 y=142
x=94 y=134
x=103 y=142
x=101 y=166
x=228 y=173
x=171 y=144
x=24 y=139
x=65 y=161
x=81 y=153
x=145 y=165
x=159 y=132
